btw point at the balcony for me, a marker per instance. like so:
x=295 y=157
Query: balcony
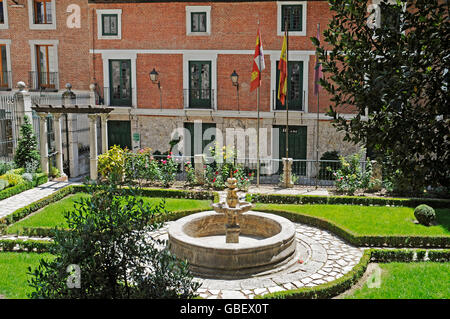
x=43 y=81
x=5 y=81
x=198 y=98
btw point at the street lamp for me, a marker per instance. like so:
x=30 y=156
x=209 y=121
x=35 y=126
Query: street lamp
x=235 y=80
x=154 y=77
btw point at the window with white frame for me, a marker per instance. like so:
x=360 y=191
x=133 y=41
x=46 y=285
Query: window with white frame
x=198 y=20
x=44 y=65
x=5 y=65
x=3 y=14
x=109 y=24
x=293 y=14
x=42 y=14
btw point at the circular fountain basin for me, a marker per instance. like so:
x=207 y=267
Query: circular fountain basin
x=266 y=241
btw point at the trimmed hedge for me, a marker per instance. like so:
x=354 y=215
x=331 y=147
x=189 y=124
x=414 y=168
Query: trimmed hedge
x=365 y=241
x=19 y=188
x=348 y=200
x=72 y=189
x=340 y=285
x=38 y=246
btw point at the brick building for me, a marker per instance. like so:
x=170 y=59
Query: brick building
x=195 y=46
x=44 y=43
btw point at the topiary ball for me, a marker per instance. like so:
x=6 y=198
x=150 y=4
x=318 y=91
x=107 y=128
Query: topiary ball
x=425 y=214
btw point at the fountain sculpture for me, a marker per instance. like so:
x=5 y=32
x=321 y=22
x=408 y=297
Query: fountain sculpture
x=232 y=241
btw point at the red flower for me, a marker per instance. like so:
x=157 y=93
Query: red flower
x=235 y=172
x=169 y=157
x=217 y=173
x=342 y=178
x=164 y=162
x=214 y=180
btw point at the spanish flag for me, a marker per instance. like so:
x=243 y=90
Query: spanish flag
x=282 y=66
x=258 y=63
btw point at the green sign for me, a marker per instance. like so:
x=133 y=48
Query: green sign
x=136 y=137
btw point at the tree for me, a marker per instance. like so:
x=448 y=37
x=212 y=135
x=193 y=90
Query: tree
x=108 y=253
x=26 y=151
x=397 y=72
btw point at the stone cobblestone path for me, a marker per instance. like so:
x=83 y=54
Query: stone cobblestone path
x=13 y=203
x=321 y=257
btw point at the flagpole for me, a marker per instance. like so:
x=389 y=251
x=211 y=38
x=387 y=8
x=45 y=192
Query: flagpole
x=287 y=90
x=317 y=126
x=257 y=111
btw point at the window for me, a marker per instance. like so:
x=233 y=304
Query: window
x=109 y=24
x=42 y=14
x=46 y=75
x=4 y=71
x=200 y=84
x=3 y=14
x=294 y=14
x=120 y=81
x=295 y=87
x=198 y=23
x=198 y=20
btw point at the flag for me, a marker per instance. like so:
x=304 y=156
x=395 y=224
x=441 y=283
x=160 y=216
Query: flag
x=317 y=69
x=282 y=67
x=258 y=63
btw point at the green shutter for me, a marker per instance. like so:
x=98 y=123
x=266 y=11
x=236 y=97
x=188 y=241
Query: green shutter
x=297 y=146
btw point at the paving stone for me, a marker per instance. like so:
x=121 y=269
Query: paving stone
x=306 y=280
x=297 y=284
x=232 y=294
x=289 y=286
x=259 y=291
x=247 y=292
x=316 y=276
x=275 y=289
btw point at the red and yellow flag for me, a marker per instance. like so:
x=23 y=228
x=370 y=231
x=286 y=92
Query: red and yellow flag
x=258 y=63
x=282 y=66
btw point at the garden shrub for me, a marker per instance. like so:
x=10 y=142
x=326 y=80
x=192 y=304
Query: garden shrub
x=3 y=184
x=13 y=179
x=107 y=240
x=26 y=151
x=28 y=177
x=425 y=214
x=6 y=166
x=111 y=165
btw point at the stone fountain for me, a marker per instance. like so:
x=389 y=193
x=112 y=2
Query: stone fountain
x=232 y=209
x=232 y=241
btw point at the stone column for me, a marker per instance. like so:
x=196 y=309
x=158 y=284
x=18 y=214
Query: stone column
x=199 y=167
x=104 y=119
x=287 y=172
x=43 y=145
x=58 y=142
x=93 y=145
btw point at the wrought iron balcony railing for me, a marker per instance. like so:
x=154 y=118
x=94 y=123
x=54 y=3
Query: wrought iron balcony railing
x=43 y=80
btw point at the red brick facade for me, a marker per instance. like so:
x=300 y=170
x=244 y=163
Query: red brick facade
x=156 y=31
x=72 y=45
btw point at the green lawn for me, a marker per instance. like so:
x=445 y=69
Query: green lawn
x=53 y=214
x=13 y=273
x=424 y=280
x=370 y=220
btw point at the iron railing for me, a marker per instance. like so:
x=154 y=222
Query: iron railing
x=43 y=81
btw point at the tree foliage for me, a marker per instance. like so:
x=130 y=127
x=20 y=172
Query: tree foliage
x=396 y=72
x=108 y=240
x=26 y=152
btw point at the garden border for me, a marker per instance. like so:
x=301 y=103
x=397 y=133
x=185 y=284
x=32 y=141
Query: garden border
x=72 y=189
x=41 y=178
x=340 y=285
x=398 y=241
x=349 y=200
